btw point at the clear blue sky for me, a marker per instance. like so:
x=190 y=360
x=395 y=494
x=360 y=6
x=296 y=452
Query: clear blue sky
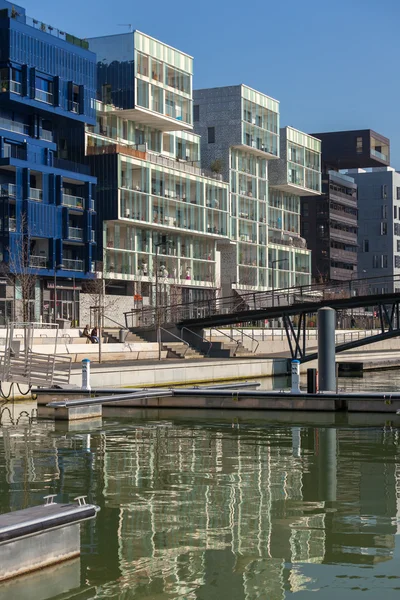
x=332 y=65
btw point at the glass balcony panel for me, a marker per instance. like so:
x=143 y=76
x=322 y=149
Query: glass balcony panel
x=16 y=87
x=12 y=224
x=35 y=194
x=44 y=96
x=38 y=262
x=8 y=189
x=75 y=233
x=73 y=201
x=70 y=264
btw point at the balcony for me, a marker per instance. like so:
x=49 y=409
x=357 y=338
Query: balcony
x=12 y=224
x=15 y=87
x=343 y=236
x=380 y=155
x=73 y=201
x=46 y=135
x=70 y=264
x=343 y=216
x=43 y=96
x=35 y=194
x=8 y=189
x=344 y=256
x=75 y=233
x=38 y=262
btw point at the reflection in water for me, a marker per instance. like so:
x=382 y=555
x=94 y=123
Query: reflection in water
x=218 y=510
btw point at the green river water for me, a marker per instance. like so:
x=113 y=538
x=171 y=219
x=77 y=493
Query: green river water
x=210 y=505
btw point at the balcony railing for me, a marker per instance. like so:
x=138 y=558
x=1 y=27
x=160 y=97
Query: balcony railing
x=93 y=236
x=46 y=135
x=35 y=194
x=70 y=264
x=379 y=155
x=75 y=107
x=14 y=126
x=73 y=201
x=15 y=87
x=44 y=96
x=38 y=262
x=12 y=224
x=91 y=204
x=8 y=189
x=75 y=233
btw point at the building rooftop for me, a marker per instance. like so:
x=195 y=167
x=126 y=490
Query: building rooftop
x=18 y=13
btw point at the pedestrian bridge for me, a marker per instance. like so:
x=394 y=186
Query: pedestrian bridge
x=380 y=295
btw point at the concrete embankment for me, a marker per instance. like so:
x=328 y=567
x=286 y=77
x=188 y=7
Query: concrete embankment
x=175 y=373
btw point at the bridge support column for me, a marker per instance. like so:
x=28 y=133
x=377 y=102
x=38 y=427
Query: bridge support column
x=326 y=350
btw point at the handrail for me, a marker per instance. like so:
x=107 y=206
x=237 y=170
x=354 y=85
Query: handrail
x=176 y=337
x=203 y=339
x=252 y=338
x=237 y=342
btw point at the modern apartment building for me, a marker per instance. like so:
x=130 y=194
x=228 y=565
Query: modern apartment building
x=268 y=170
x=162 y=216
x=379 y=224
x=330 y=223
x=47 y=90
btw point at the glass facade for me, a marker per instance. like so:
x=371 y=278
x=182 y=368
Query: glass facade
x=260 y=121
x=139 y=72
x=160 y=194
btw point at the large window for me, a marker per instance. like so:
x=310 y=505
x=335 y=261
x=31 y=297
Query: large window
x=211 y=135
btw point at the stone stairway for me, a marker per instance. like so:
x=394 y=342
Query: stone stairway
x=180 y=350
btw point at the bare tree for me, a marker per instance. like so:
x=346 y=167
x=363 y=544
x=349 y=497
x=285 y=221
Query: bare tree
x=21 y=268
x=101 y=303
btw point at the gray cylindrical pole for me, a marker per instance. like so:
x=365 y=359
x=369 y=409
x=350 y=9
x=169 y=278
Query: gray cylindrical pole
x=326 y=350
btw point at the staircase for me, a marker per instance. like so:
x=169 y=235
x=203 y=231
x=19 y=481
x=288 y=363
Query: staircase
x=181 y=350
x=111 y=336
x=230 y=348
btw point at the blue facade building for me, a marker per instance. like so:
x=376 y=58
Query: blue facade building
x=47 y=94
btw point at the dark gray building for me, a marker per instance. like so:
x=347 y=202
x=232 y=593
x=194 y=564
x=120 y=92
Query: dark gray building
x=379 y=224
x=330 y=223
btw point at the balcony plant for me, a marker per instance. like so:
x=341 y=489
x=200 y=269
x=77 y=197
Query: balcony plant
x=217 y=166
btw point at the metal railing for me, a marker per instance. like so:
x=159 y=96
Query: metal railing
x=200 y=337
x=73 y=201
x=15 y=87
x=44 y=96
x=177 y=338
x=73 y=264
x=237 y=342
x=8 y=189
x=35 y=194
x=283 y=297
x=47 y=135
x=75 y=233
x=39 y=262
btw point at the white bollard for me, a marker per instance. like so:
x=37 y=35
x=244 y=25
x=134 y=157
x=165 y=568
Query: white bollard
x=86 y=374
x=295 y=376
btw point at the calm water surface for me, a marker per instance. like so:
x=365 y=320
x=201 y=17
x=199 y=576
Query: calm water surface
x=218 y=506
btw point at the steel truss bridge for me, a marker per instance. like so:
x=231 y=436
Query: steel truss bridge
x=292 y=305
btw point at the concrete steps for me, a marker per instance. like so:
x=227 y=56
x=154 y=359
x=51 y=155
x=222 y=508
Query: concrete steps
x=180 y=350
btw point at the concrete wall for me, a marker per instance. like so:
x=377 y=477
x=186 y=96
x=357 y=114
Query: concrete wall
x=115 y=306
x=173 y=373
